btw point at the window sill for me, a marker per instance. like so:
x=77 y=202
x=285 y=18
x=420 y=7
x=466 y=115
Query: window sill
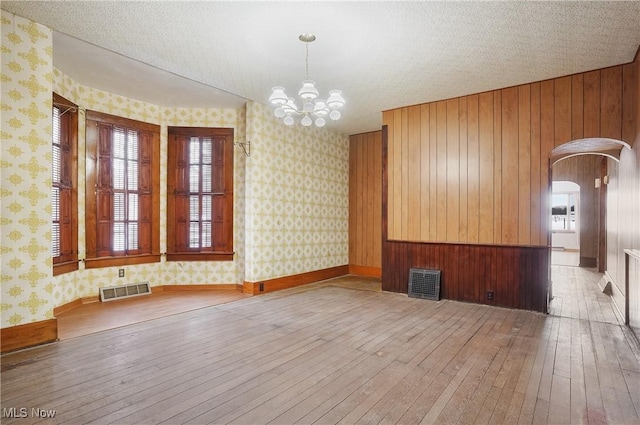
x=94 y=263
x=200 y=256
x=66 y=267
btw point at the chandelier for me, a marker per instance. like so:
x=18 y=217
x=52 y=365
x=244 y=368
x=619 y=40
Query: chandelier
x=314 y=109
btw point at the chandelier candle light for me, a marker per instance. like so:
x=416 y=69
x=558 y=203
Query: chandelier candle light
x=314 y=110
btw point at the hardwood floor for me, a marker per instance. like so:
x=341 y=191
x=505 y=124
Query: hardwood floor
x=327 y=353
x=95 y=317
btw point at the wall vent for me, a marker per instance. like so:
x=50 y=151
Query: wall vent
x=111 y=293
x=424 y=283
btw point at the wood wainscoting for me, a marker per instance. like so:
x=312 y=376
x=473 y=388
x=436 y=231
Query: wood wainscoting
x=28 y=335
x=517 y=276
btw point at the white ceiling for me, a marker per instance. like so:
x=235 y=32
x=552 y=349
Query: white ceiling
x=382 y=55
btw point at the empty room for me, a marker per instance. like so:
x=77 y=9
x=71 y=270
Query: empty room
x=384 y=212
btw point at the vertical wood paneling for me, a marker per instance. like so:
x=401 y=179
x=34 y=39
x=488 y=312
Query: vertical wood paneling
x=628 y=127
x=404 y=185
x=396 y=192
x=486 y=167
x=441 y=199
x=388 y=121
x=524 y=165
x=464 y=168
x=361 y=194
x=497 y=167
x=425 y=172
x=491 y=163
x=591 y=105
x=577 y=111
x=365 y=200
x=452 y=215
x=510 y=161
x=536 y=207
x=516 y=275
x=547 y=137
x=562 y=109
x=414 y=186
x=433 y=172
x=473 y=170
x=368 y=196
x=376 y=140
x=352 y=197
x=611 y=102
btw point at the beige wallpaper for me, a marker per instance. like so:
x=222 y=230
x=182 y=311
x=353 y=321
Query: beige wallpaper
x=25 y=171
x=297 y=208
x=291 y=194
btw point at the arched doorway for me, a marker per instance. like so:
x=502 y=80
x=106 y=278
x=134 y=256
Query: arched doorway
x=583 y=162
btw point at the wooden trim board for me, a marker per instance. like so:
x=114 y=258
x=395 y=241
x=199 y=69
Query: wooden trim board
x=204 y=287
x=28 y=335
x=365 y=271
x=285 y=282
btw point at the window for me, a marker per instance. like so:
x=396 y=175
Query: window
x=123 y=167
x=564 y=211
x=64 y=186
x=200 y=188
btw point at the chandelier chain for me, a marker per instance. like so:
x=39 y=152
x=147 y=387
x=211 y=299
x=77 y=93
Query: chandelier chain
x=306 y=60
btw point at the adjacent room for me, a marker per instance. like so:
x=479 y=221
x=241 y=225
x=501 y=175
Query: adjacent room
x=320 y=212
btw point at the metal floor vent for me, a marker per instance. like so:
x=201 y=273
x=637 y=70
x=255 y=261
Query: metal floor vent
x=124 y=291
x=424 y=283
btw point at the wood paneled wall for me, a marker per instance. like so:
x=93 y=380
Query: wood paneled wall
x=365 y=203
x=468 y=272
x=583 y=170
x=475 y=169
x=516 y=276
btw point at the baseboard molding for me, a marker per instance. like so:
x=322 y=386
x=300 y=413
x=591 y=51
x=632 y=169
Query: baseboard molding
x=205 y=287
x=588 y=262
x=28 y=335
x=277 y=284
x=365 y=271
x=75 y=303
x=68 y=306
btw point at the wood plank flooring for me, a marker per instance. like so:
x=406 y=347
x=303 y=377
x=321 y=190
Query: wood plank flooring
x=329 y=354
x=95 y=317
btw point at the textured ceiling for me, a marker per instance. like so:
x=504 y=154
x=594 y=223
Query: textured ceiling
x=382 y=55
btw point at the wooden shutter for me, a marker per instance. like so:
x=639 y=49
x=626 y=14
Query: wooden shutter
x=178 y=194
x=220 y=196
x=145 y=210
x=104 y=193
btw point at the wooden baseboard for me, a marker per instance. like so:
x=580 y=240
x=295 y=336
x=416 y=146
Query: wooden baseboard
x=75 y=303
x=285 y=282
x=588 y=262
x=28 y=335
x=68 y=306
x=365 y=271
x=223 y=286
